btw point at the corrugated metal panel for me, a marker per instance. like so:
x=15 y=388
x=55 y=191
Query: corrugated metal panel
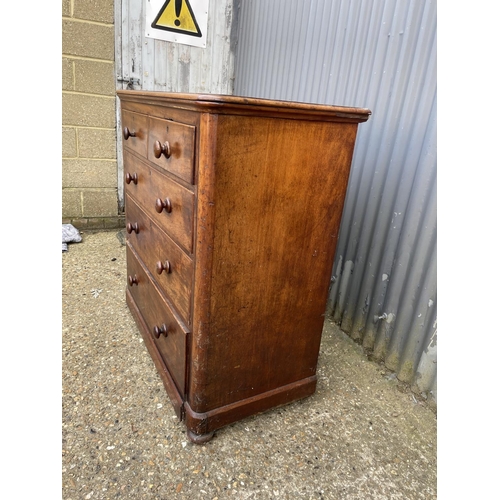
x=165 y=66
x=378 y=54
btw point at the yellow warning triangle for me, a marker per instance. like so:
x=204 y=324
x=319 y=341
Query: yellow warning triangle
x=177 y=16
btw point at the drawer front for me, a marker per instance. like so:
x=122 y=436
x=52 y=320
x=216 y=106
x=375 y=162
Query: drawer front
x=135 y=132
x=152 y=191
x=170 y=266
x=158 y=315
x=171 y=147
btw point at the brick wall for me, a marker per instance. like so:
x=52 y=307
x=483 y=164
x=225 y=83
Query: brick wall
x=89 y=168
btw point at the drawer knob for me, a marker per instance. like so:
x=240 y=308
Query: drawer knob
x=160 y=149
x=160 y=330
x=131 y=178
x=163 y=205
x=127 y=133
x=132 y=227
x=163 y=266
x=133 y=280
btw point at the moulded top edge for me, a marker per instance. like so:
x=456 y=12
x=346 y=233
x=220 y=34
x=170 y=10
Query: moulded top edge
x=219 y=102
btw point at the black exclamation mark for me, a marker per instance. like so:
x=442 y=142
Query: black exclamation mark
x=178 y=5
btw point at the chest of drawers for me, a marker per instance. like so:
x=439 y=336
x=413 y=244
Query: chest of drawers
x=233 y=207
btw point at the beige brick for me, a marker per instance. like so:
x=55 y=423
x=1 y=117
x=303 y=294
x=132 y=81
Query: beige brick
x=80 y=224
x=94 y=10
x=69 y=142
x=85 y=224
x=71 y=203
x=94 y=223
x=66 y=8
x=88 y=111
x=100 y=203
x=96 y=143
x=80 y=173
x=95 y=77
x=88 y=40
x=114 y=222
x=68 y=80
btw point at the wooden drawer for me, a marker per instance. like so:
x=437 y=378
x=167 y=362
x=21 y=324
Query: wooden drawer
x=157 y=314
x=135 y=132
x=171 y=147
x=149 y=187
x=170 y=266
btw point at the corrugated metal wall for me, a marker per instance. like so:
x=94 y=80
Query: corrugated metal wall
x=378 y=54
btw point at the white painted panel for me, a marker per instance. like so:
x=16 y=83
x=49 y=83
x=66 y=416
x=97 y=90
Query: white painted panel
x=143 y=63
x=173 y=67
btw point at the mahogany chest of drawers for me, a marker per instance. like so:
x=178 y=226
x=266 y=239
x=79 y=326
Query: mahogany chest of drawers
x=233 y=207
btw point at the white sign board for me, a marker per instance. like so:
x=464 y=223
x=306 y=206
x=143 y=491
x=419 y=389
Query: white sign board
x=180 y=21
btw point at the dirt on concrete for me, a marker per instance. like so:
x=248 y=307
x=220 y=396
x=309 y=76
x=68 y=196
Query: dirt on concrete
x=362 y=435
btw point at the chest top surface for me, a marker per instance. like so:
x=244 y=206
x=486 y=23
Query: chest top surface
x=230 y=104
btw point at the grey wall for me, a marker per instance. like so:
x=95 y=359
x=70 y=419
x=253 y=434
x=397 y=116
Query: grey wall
x=378 y=54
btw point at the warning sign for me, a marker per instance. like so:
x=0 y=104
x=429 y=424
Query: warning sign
x=177 y=16
x=181 y=21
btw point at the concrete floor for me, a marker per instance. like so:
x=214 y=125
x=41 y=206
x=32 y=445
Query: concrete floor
x=362 y=435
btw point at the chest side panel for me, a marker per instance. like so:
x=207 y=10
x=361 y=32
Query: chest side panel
x=279 y=192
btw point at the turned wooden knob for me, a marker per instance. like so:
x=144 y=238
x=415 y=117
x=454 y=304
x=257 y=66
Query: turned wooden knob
x=133 y=280
x=161 y=149
x=163 y=205
x=163 y=266
x=160 y=330
x=132 y=227
x=127 y=133
x=131 y=178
